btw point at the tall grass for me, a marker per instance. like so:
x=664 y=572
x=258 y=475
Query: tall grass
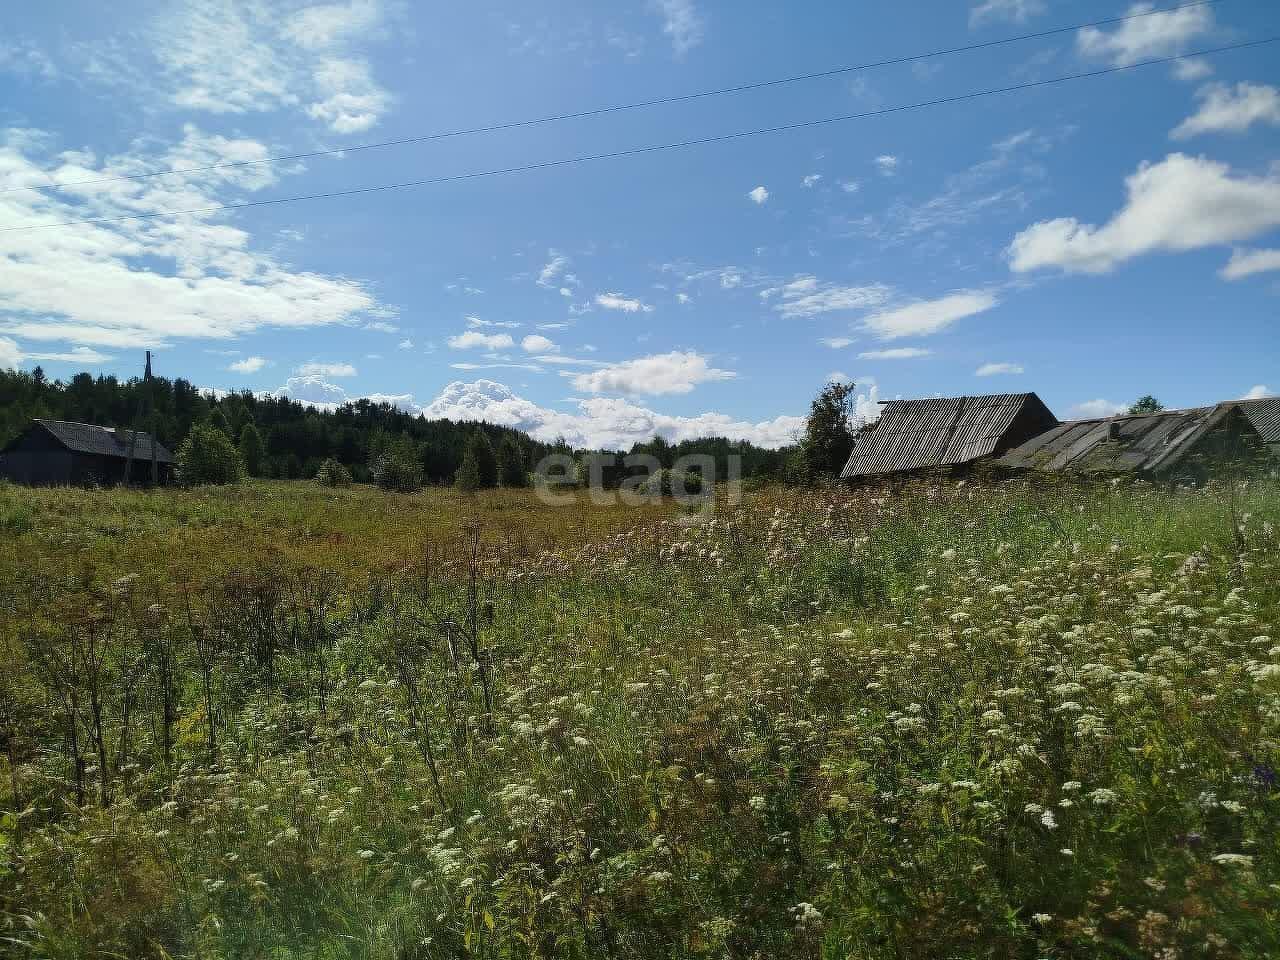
x=985 y=720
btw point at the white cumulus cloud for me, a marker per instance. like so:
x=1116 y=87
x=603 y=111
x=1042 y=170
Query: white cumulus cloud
x=1181 y=203
x=149 y=282
x=662 y=373
x=248 y=365
x=600 y=422
x=1257 y=392
x=1158 y=34
x=536 y=343
x=10 y=355
x=759 y=195
x=1093 y=409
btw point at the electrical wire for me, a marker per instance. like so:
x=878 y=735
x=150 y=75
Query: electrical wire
x=652 y=148
x=616 y=108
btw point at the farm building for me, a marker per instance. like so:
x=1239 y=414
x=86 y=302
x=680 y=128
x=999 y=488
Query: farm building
x=1264 y=414
x=1173 y=445
x=945 y=432
x=59 y=453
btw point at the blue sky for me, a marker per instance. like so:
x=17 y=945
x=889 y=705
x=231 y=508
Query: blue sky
x=1092 y=241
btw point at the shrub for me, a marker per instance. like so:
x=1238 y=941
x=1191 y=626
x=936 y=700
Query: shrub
x=333 y=474
x=397 y=467
x=207 y=456
x=468 y=475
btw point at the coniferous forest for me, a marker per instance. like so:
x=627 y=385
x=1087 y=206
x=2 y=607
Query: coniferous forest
x=297 y=438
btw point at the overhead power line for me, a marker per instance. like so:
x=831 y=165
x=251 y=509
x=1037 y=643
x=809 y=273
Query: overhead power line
x=619 y=107
x=652 y=148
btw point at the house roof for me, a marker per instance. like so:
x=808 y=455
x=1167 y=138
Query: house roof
x=1144 y=443
x=943 y=431
x=104 y=441
x=1264 y=414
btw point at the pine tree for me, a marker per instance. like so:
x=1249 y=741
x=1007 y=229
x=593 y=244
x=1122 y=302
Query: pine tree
x=252 y=450
x=511 y=470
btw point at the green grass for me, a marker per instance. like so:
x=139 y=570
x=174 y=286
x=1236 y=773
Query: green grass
x=985 y=720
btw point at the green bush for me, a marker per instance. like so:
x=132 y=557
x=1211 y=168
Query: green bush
x=207 y=456
x=398 y=467
x=333 y=474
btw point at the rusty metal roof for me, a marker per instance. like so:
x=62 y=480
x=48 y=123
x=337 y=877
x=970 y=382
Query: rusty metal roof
x=104 y=441
x=1264 y=414
x=1147 y=443
x=945 y=431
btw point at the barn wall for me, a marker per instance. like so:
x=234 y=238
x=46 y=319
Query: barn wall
x=38 y=468
x=1031 y=421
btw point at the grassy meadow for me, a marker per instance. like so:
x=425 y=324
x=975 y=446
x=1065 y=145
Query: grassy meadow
x=987 y=719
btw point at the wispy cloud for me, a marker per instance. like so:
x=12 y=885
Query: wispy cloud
x=681 y=22
x=1245 y=263
x=996 y=369
x=1225 y=109
x=315 y=368
x=896 y=353
x=617 y=301
x=472 y=339
x=927 y=317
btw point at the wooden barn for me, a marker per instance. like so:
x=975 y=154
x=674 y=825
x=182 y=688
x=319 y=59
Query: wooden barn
x=59 y=453
x=945 y=432
x=1178 y=445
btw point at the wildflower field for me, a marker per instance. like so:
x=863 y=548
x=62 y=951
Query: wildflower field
x=988 y=719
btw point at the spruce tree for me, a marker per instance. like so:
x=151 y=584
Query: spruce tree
x=468 y=476
x=252 y=451
x=511 y=470
x=481 y=450
x=218 y=420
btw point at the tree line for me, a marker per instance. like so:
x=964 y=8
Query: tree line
x=362 y=440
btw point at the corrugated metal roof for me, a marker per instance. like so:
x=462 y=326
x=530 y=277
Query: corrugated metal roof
x=944 y=431
x=1148 y=443
x=104 y=441
x=1264 y=414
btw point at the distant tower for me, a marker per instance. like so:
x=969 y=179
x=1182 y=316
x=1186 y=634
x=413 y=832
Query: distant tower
x=147 y=376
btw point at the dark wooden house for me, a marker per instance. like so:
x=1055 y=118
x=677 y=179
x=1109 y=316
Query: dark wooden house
x=59 y=453
x=1175 y=445
x=1264 y=414
x=945 y=433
